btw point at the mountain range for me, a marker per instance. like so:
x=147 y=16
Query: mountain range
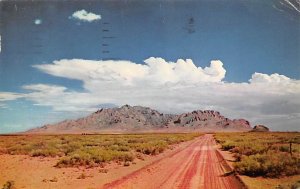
x=143 y=119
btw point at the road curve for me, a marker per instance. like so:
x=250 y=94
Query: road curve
x=198 y=166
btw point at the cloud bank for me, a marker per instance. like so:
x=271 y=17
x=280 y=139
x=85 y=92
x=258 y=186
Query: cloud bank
x=171 y=87
x=83 y=15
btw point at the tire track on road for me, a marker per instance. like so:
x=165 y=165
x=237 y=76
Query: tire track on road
x=198 y=166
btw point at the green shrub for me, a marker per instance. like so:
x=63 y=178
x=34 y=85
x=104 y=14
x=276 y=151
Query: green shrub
x=9 y=185
x=263 y=154
x=152 y=148
x=91 y=150
x=284 y=148
x=81 y=176
x=296 y=185
x=54 y=179
x=45 y=152
x=227 y=145
x=249 y=166
x=269 y=165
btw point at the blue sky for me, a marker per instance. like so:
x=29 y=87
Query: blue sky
x=246 y=37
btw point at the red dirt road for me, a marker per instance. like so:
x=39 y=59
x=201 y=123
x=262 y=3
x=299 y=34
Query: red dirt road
x=198 y=166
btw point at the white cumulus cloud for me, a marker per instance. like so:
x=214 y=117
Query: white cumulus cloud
x=264 y=78
x=155 y=71
x=37 y=21
x=7 y=96
x=170 y=87
x=85 y=16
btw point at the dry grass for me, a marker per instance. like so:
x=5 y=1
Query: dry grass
x=91 y=150
x=265 y=158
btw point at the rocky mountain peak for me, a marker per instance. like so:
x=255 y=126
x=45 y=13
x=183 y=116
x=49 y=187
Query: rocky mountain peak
x=139 y=118
x=260 y=128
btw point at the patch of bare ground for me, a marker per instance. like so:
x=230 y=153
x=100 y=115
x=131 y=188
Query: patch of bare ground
x=290 y=182
x=39 y=172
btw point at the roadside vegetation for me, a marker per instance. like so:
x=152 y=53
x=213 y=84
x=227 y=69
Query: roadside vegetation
x=270 y=155
x=9 y=185
x=91 y=150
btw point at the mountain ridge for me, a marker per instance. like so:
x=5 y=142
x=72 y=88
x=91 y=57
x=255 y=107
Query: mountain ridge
x=138 y=119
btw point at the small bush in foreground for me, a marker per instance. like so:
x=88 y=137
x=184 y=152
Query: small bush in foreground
x=268 y=165
x=81 y=176
x=9 y=185
x=91 y=150
x=263 y=154
x=94 y=158
x=296 y=185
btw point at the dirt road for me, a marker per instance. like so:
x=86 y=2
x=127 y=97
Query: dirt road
x=199 y=166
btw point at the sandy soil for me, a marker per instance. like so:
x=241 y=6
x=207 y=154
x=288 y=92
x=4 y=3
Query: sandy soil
x=36 y=172
x=199 y=165
x=194 y=164
x=260 y=182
